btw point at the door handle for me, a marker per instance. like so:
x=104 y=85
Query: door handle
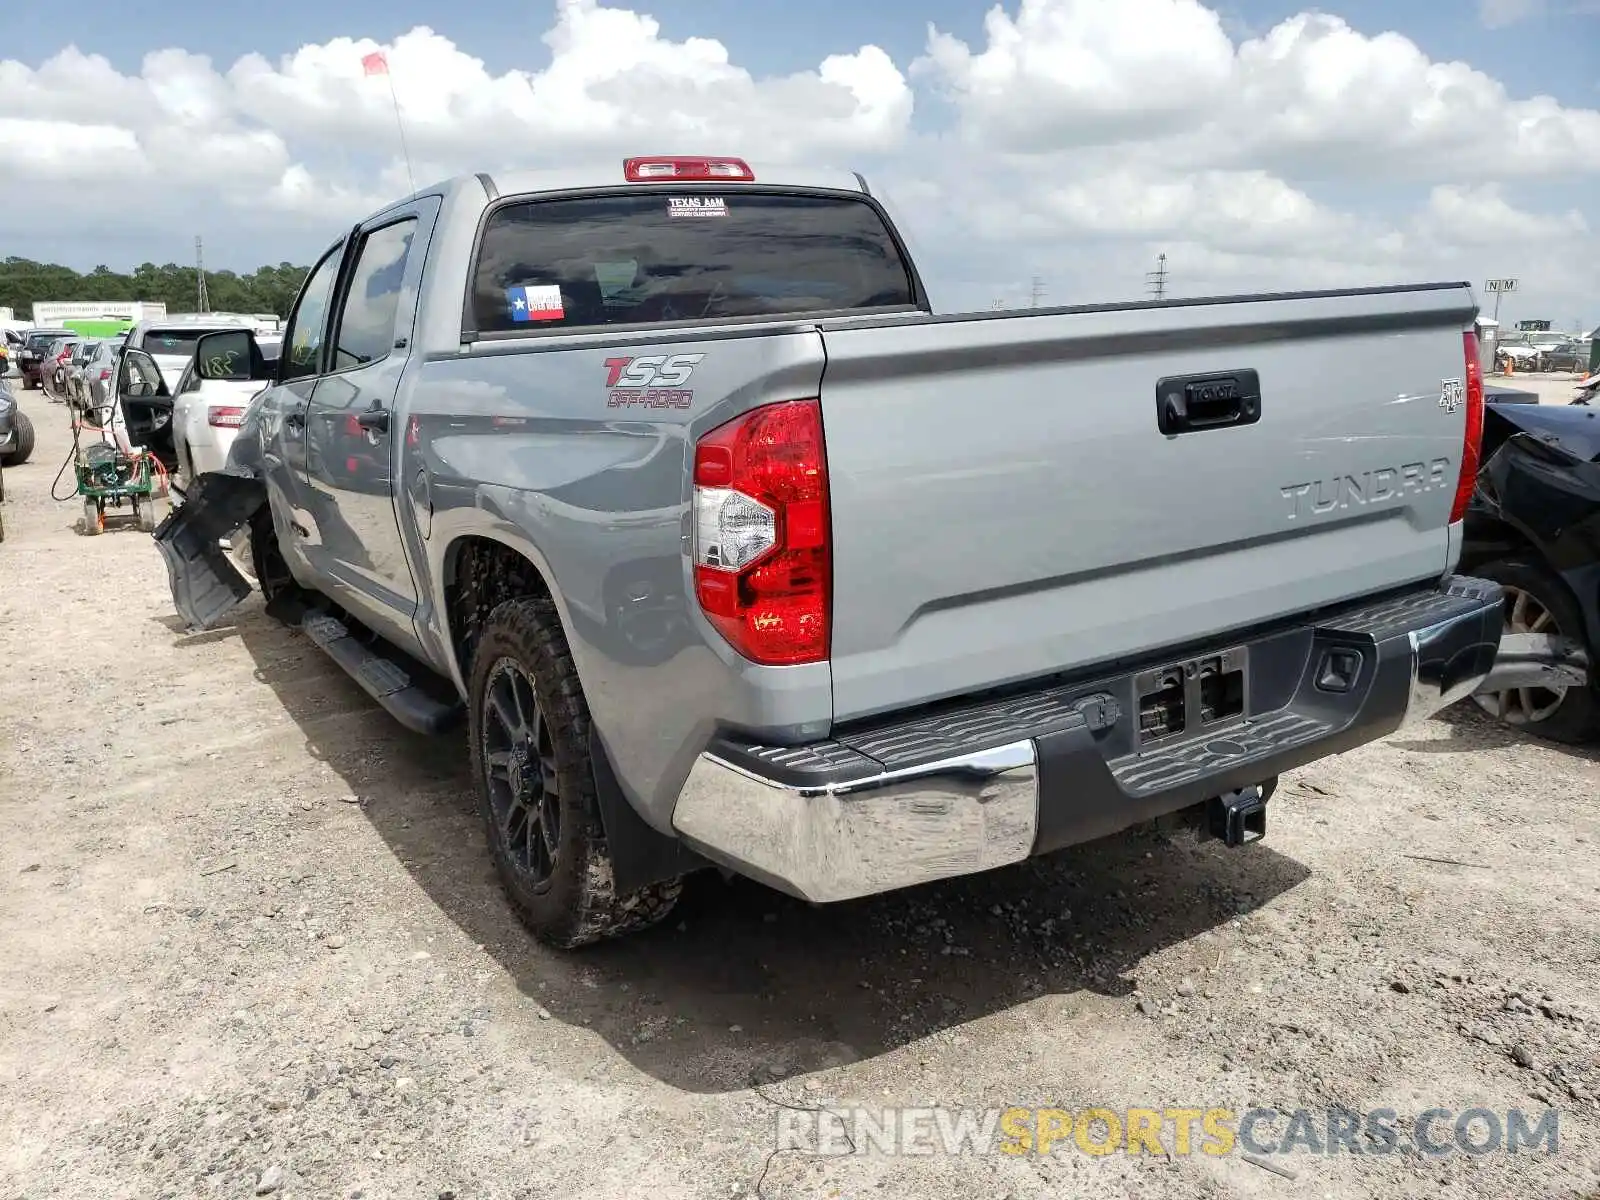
x=1187 y=403
x=375 y=419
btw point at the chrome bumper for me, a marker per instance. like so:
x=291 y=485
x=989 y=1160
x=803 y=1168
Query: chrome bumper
x=893 y=830
x=1451 y=659
x=968 y=813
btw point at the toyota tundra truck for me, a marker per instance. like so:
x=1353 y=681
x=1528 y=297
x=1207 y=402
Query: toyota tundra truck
x=731 y=551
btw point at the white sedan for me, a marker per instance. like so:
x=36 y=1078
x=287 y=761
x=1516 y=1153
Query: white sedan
x=207 y=413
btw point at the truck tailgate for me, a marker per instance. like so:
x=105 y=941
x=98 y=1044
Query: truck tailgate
x=1005 y=504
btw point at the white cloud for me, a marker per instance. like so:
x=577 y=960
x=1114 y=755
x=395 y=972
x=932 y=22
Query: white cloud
x=1082 y=137
x=1084 y=72
x=1481 y=216
x=1312 y=94
x=65 y=152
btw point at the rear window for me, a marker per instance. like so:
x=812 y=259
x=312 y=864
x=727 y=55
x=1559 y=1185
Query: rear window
x=39 y=341
x=649 y=257
x=176 y=341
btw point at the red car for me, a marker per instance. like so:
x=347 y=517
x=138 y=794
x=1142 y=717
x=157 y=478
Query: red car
x=30 y=360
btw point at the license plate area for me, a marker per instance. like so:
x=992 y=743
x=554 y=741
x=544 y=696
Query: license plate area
x=1193 y=696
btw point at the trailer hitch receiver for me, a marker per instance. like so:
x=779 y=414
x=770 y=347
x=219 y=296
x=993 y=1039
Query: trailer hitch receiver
x=1240 y=817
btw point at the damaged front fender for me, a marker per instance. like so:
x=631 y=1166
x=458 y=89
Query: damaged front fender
x=205 y=583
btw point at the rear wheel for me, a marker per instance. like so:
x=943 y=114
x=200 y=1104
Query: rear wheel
x=94 y=520
x=1538 y=602
x=529 y=733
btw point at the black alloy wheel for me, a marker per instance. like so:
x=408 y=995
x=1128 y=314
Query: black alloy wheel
x=519 y=763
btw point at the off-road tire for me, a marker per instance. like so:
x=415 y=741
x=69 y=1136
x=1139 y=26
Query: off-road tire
x=22 y=450
x=1577 y=720
x=578 y=903
x=93 y=522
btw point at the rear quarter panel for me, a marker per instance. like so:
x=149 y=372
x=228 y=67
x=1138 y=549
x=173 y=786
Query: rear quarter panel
x=519 y=441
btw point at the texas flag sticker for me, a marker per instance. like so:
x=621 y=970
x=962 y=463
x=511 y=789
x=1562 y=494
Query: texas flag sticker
x=540 y=303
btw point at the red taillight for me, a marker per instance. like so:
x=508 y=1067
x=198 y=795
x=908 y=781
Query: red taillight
x=642 y=170
x=763 y=563
x=1472 y=440
x=105 y=374
x=224 y=417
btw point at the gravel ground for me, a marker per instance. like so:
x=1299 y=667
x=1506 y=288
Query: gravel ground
x=253 y=945
x=1552 y=387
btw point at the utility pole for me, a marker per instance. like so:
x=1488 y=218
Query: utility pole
x=1036 y=294
x=1155 y=282
x=202 y=300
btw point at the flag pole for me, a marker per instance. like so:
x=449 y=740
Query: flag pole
x=405 y=150
x=377 y=63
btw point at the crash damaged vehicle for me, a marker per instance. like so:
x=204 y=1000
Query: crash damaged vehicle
x=1534 y=527
x=733 y=551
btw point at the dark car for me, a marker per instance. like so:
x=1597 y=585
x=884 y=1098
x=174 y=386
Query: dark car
x=1568 y=356
x=30 y=360
x=16 y=430
x=1534 y=527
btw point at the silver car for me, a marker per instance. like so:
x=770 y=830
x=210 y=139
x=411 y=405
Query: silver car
x=95 y=379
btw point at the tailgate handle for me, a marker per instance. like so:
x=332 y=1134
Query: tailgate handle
x=1217 y=400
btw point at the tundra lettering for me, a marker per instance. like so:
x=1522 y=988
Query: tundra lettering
x=760 y=622
x=1370 y=487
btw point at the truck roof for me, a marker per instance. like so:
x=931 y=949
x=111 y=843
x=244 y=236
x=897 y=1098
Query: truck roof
x=609 y=174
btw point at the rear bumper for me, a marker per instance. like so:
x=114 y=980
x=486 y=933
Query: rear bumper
x=982 y=783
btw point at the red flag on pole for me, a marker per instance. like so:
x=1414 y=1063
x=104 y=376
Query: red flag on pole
x=375 y=63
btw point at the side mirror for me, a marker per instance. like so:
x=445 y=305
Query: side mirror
x=229 y=354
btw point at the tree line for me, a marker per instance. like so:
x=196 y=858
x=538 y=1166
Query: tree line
x=265 y=290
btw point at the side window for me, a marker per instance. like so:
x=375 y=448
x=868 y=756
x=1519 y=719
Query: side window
x=366 y=323
x=303 y=333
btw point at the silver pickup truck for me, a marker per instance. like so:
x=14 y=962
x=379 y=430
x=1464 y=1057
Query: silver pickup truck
x=732 y=552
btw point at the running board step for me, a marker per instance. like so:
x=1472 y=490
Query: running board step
x=385 y=680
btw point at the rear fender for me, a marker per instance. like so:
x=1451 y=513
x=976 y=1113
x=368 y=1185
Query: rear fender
x=204 y=581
